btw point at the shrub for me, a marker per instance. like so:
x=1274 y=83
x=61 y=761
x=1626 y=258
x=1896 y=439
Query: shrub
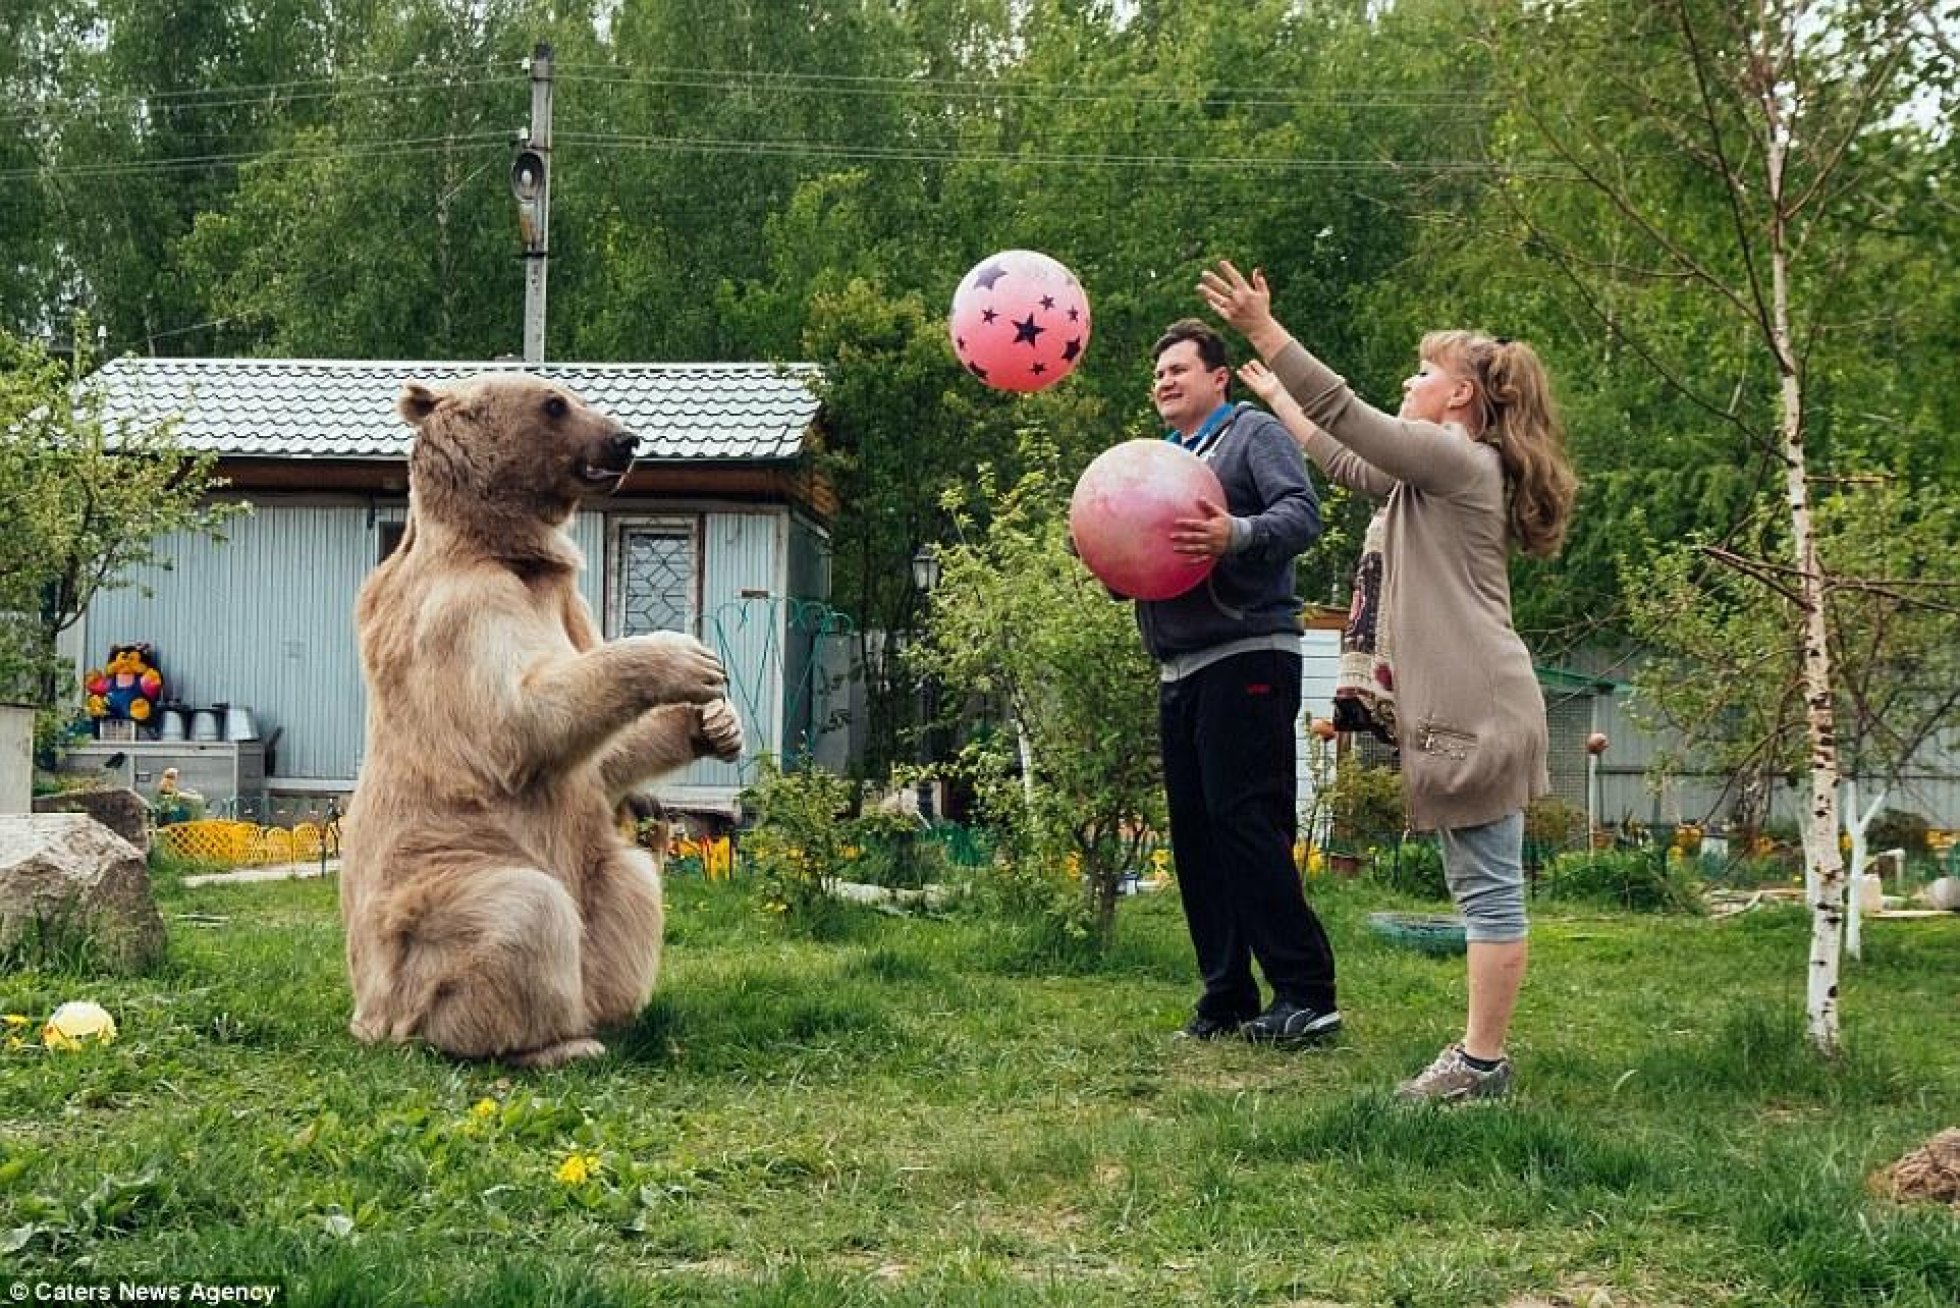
x=1074 y=782
x=1365 y=805
x=1897 y=829
x=1550 y=826
x=1411 y=867
x=894 y=850
x=798 y=843
x=1642 y=880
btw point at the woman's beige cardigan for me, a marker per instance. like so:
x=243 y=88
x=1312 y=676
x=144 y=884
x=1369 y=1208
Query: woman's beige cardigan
x=1469 y=713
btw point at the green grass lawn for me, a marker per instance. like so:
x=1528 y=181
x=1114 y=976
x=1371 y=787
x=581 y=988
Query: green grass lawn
x=923 y=1112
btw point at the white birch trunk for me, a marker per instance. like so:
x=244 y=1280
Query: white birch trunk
x=1822 y=860
x=1024 y=746
x=1856 y=824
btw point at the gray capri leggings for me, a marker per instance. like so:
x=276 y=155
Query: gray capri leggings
x=1484 y=866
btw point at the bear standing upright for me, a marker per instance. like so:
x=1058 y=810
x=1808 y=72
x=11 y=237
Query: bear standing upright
x=492 y=907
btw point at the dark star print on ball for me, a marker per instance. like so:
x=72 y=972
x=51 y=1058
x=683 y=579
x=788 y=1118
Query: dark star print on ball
x=1020 y=321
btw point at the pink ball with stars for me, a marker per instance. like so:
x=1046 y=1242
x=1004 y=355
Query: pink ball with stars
x=1020 y=321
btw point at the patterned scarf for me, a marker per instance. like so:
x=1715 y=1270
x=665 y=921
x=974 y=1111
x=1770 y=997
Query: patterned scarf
x=1364 y=684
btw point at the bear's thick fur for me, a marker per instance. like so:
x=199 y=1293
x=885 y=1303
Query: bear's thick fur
x=492 y=908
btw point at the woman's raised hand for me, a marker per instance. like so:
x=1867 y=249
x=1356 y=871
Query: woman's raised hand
x=1244 y=303
x=1261 y=381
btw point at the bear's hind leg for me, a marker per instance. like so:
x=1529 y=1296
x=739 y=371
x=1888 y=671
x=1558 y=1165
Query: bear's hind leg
x=489 y=965
x=623 y=924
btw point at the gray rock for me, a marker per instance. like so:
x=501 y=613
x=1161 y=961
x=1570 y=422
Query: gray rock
x=1945 y=894
x=122 y=811
x=68 y=883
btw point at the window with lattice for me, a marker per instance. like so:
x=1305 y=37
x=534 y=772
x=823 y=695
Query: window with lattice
x=655 y=577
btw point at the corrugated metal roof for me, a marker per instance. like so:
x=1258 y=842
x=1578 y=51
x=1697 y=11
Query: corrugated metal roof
x=345 y=408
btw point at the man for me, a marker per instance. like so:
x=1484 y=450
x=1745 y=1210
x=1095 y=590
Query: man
x=1228 y=702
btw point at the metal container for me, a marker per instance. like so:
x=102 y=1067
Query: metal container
x=170 y=726
x=239 y=724
x=205 y=725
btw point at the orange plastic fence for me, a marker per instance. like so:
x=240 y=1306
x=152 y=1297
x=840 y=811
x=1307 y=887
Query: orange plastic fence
x=222 y=840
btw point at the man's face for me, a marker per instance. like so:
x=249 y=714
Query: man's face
x=1184 y=390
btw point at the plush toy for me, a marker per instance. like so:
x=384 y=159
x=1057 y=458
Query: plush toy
x=128 y=686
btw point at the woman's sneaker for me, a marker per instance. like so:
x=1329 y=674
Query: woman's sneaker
x=1451 y=1079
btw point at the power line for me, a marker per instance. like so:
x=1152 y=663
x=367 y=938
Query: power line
x=403 y=146
x=929 y=154
x=785 y=148
x=320 y=279
x=865 y=83
x=313 y=88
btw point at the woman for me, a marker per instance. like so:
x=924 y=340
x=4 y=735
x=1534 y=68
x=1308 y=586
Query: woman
x=1472 y=467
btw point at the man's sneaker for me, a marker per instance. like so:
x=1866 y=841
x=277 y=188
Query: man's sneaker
x=1288 y=1023
x=1450 y=1080
x=1204 y=1027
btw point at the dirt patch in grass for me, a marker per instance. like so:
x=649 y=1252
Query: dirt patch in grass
x=1929 y=1174
x=1579 y=1293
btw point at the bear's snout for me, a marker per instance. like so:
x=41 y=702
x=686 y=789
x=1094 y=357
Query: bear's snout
x=612 y=457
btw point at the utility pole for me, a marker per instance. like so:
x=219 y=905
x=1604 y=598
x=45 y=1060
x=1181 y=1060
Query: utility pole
x=530 y=182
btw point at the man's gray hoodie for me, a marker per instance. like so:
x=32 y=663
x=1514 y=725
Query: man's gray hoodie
x=1276 y=515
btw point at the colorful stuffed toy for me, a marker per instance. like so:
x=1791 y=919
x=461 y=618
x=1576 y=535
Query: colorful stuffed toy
x=128 y=686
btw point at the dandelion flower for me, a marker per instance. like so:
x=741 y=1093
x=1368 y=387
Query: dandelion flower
x=577 y=1169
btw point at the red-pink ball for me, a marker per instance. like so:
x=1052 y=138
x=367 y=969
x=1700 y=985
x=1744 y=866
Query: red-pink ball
x=1020 y=321
x=1122 y=512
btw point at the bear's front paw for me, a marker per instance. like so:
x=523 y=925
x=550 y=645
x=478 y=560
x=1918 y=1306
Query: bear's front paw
x=720 y=731
x=680 y=669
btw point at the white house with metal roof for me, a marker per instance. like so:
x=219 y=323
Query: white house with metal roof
x=720 y=530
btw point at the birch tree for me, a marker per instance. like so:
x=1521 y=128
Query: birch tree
x=1753 y=156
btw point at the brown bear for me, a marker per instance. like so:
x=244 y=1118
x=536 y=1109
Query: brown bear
x=492 y=908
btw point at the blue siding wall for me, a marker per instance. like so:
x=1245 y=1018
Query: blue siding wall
x=264 y=619
x=741 y=582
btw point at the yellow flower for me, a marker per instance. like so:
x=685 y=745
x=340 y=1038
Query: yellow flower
x=15 y=1021
x=483 y=1109
x=577 y=1168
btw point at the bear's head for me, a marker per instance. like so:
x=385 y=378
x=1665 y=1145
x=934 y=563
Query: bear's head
x=132 y=659
x=504 y=447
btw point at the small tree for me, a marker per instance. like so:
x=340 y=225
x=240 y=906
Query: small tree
x=84 y=507
x=1018 y=622
x=1738 y=167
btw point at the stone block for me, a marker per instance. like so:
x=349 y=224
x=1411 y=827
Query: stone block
x=68 y=882
x=122 y=811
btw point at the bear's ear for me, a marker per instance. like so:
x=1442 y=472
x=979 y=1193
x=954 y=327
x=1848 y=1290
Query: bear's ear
x=417 y=403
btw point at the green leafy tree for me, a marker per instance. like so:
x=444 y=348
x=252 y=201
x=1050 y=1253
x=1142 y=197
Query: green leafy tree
x=907 y=428
x=145 y=113
x=382 y=227
x=85 y=505
x=1018 y=622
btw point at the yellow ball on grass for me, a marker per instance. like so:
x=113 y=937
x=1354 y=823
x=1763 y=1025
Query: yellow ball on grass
x=77 y=1023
